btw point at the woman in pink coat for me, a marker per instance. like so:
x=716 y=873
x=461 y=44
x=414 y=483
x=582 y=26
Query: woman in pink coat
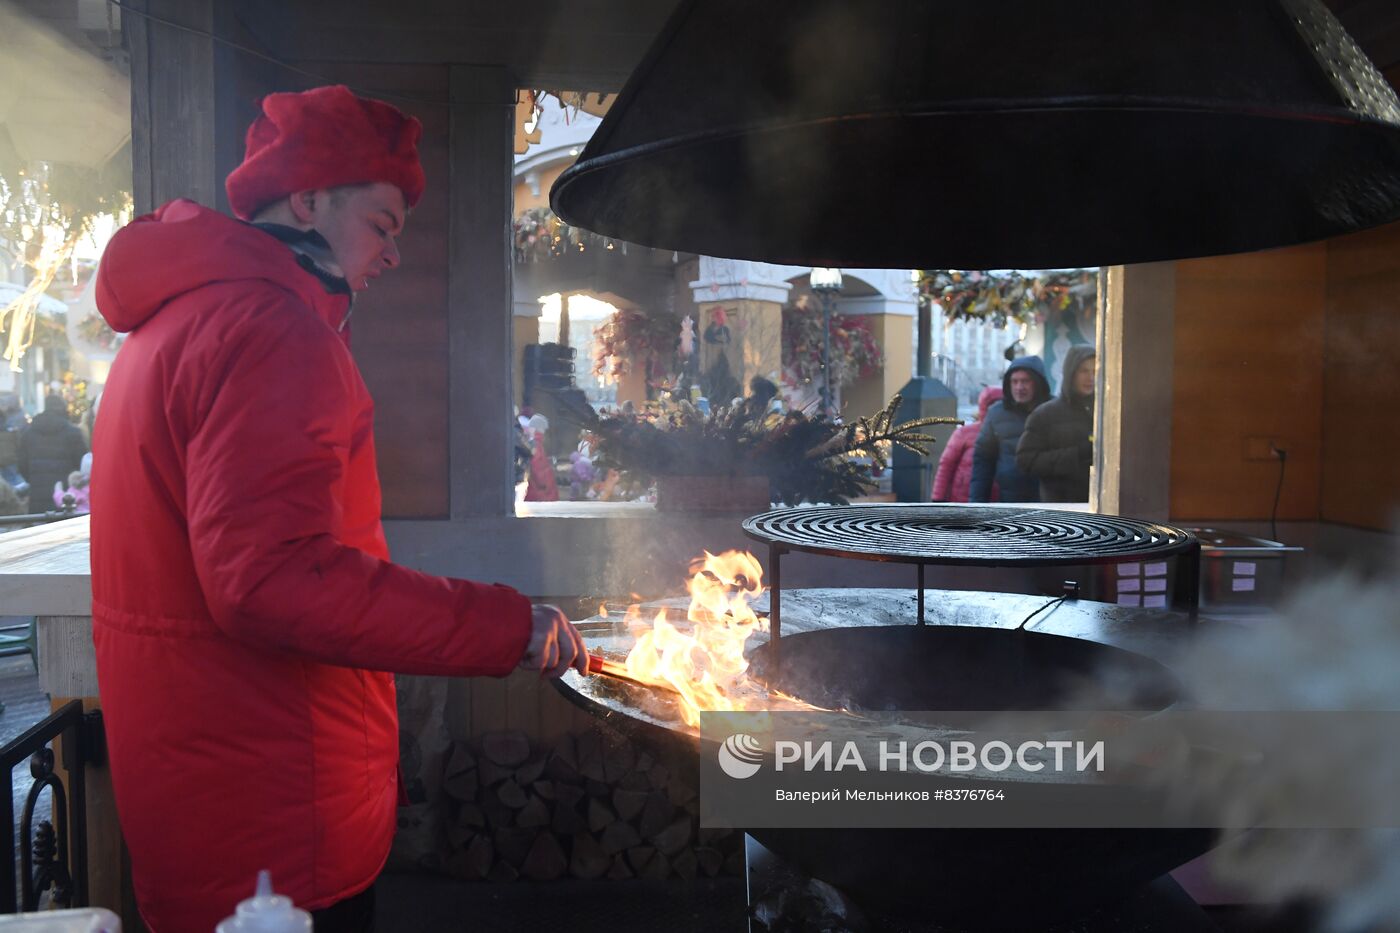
x=954 y=476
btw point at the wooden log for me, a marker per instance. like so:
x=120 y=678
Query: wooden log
x=563 y=761
x=532 y=770
x=734 y=863
x=474 y=862
x=590 y=757
x=619 y=871
x=545 y=861
x=600 y=816
x=660 y=776
x=480 y=856
x=459 y=776
x=711 y=861
x=619 y=836
x=685 y=865
x=680 y=790
x=498 y=815
x=628 y=803
x=512 y=794
x=490 y=774
x=503 y=873
x=598 y=788
x=657 y=814
x=459 y=834
x=658 y=870
x=543 y=789
x=619 y=757
x=639 y=857
x=508 y=748
x=566 y=819
x=535 y=813
x=470 y=814
x=513 y=844
x=712 y=837
x=588 y=860
x=644 y=761
x=674 y=837
x=568 y=795
x=635 y=780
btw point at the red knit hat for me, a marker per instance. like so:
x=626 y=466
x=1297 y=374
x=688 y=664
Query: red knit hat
x=324 y=138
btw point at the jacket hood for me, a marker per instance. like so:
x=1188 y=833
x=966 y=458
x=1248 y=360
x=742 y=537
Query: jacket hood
x=984 y=401
x=184 y=246
x=1074 y=357
x=1036 y=367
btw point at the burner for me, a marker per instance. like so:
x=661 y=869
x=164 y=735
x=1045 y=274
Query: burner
x=991 y=536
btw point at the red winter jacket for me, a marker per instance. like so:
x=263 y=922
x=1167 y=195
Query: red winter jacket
x=953 y=481
x=244 y=608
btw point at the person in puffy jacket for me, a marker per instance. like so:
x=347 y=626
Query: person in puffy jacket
x=49 y=449
x=246 y=615
x=1024 y=389
x=1056 y=447
x=953 y=481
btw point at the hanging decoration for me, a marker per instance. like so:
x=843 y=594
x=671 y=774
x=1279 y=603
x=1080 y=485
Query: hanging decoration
x=631 y=338
x=855 y=353
x=1001 y=297
x=541 y=236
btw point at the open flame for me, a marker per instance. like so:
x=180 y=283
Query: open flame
x=703 y=657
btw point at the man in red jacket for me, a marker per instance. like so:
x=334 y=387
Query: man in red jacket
x=245 y=612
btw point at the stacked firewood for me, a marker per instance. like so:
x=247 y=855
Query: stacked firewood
x=595 y=805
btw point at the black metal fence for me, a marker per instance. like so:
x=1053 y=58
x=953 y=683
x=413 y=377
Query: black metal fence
x=52 y=854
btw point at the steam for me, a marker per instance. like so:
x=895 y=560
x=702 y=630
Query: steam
x=1336 y=647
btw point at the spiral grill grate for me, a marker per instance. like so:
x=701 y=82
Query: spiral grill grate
x=932 y=534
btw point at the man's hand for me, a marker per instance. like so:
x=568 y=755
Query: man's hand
x=555 y=645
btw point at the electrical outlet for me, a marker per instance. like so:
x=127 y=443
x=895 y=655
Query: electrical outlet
x=1260 y=447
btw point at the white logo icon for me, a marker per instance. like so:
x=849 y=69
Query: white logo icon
x=740 y=756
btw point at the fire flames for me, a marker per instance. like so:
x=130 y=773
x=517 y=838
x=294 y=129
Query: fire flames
x=702 y=658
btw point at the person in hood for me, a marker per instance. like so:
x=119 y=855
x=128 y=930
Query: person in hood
x=1024 y=388
x=1056 y=446
x=953 y=481
x=49 y=449
x=246 y=615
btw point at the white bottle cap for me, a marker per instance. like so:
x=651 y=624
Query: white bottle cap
x=266 y=912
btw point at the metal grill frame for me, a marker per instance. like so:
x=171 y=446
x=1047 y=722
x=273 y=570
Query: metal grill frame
x=803 y=530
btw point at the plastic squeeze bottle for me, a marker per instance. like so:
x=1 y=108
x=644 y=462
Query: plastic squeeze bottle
x=266 y=912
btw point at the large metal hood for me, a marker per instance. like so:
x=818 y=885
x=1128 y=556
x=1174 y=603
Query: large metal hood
x=1019 y=133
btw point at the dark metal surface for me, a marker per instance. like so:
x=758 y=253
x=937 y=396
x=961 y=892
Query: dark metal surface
x=878 y=133
x=990 y=535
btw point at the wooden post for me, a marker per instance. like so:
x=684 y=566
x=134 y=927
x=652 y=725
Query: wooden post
x=1133 y=412
x=479 y=293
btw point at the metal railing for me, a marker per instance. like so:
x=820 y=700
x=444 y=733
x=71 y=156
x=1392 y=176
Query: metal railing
x=52 y=854
x=40 y=518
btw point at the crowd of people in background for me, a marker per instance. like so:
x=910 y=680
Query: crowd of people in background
x=1025 y=446
x=44 y=461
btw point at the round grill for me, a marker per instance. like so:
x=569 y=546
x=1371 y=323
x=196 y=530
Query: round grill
x=989 y=535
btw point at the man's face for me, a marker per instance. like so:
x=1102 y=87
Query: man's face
x=1022 y=387
x=361 y=224
x=1084 y=378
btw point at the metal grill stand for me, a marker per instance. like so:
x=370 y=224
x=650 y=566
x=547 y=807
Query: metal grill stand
x=984 y=536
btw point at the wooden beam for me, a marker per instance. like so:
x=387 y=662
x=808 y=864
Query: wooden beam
x=1133 y=413
x=480 y=434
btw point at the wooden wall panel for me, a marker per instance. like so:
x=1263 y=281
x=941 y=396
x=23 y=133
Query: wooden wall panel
x=1361 y=419
x=399 y=324
x=1248 y=351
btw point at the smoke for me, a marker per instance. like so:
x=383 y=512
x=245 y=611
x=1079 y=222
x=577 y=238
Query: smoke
x=1335 y=648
